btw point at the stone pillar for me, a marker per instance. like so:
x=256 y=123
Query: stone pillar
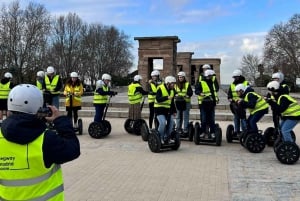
x=184 y=60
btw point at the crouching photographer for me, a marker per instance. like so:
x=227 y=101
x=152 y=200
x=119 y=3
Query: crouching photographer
x=34 y=152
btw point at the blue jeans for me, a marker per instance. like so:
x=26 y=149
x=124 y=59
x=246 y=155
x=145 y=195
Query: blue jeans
x=162 y=121
x=186 y=118
x=55 y=101
x=207 y=118
x=99 y=108
x=286 y=128
x=238 y=123
x=253 y=119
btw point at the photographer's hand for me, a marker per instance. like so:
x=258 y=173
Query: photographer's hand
x=55 y=113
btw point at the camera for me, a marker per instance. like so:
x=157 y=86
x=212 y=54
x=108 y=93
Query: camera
x=44 y=112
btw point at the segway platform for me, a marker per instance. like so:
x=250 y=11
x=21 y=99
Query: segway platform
x=206 y=139
x=155 y=144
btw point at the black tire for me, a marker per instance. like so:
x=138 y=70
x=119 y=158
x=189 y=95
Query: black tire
x=293 y=135
x=95 y=130
x=128 y=126
x=255 y=143
x=137 y=124
x=229 y=133
x=106 y=127
x=154 y=142
x=270 y=136
x=80 y=126
x=191 y=131
x=176 y=138
x=287 y=153
x=279 y=140
x=218 y=136
x=144 y=131
x=197 y=133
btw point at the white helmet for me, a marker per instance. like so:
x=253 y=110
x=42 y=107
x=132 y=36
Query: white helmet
x=181 y=73
x=170 y=79
x=25 y=98
x=74 y=74
x=275 y=76
x=106 y=76
x=155 y=73
x=137 y=78
x=237 y=73
x=8 y=75
x=99 y=84
x=209 y=73
x=281 y=77
x=40 y=73
x=50 y=69
x=240 y=87
x=273 y=86
x=206 y=66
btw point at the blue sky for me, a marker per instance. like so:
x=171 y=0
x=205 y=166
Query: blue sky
x=226 y=29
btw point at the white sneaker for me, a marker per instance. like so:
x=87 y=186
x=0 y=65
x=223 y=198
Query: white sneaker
x=202 y=135
x=213 y=135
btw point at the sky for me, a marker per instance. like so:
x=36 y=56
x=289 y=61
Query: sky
x=225 y=29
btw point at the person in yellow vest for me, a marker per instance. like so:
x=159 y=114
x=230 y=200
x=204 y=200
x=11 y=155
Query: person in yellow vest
x=5 y=86
x=184 y=89
x=135 y=96
x=154 y=82
x=287 y=107
x=52 y=87
x=279 y=77
x=164 y=107
x=204 y=68
x=232 y=97
x=31 y=155
x=101 y=94
x=40 y=78
x=73 y=91
x=254 y=102
x=207 y=100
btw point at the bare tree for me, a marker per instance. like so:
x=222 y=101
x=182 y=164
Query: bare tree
x=249 y=65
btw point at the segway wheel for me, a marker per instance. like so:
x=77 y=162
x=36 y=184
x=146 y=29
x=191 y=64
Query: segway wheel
x=137 y=124
x=128 y=126
x=106 y=127
x=95 y=130
x=80 y=126
x=293 y=136
x=270 y=136
x=176 y=138
x=218 y=136
x=255 y=143
x=154 y=142
x=191 y=131
x=144 y=131
x=229 y=133
x=197 y=133
x=288 y=153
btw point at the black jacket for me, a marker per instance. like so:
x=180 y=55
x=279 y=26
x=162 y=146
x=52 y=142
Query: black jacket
x=58 y=148
x=210 y=83
x=160 y=98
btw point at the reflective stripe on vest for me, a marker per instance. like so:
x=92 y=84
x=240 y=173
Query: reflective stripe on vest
x=206 y=91
x=23 y=175
x=101 y=99
x=293 y=109
x=4 y=90
x=151 y=98
x=133 y=96
x=76 y=100
x=235 y=97
x=164 y=92
x=261 y=103
x=183 y=91
x=51 y=86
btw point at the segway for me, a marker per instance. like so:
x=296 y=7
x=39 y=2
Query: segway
x=172 y=142
x=241 y=113
x=103 y=128
x=79 y=128
x=253 y=141
x=206 y=138
x=180 y=105
x=286 y=152
x=138 y=126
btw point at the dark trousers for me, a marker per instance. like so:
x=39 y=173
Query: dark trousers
x=99 y=108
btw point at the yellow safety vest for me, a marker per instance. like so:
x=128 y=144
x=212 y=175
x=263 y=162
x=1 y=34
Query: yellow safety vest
x=4 y=90
x=101 y=99
x=183 y=91
x=293 y=109
x=151 y=98
x=50 y=86
x=261 y=103
x=233 y=92
x=76 y=100
x=133 y=96
x=39 y=85
x=23 y=175
x=207 y=92
x=164 y=92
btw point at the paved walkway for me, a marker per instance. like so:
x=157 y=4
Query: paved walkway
x=121 y=167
